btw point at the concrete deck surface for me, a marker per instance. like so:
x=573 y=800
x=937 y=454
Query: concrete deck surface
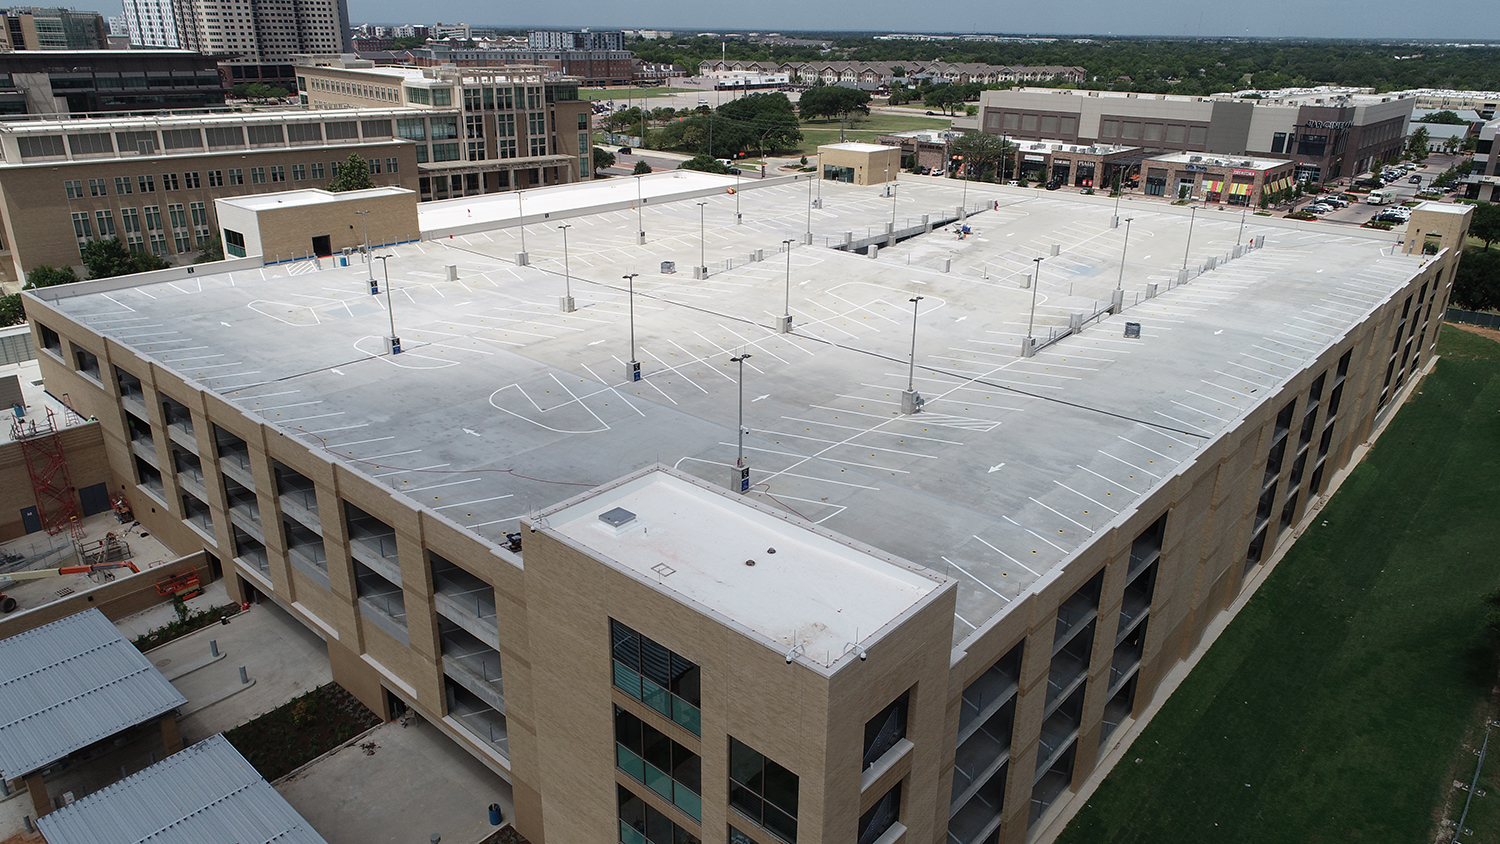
x=147 y=552
x=417 y=783
x=501 y=405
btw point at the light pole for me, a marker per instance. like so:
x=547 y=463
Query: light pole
x=1028 y=348
x=521 y=257
x=1241 y=236
x=965 y=200
x=369 y=261
x=702 y=246
x=739 y=479
x=737 y=219
x=640 y=235
x=392 y=343
x=784 y=324
x=1116 y=222
x=635 y=365
x=910 y=401
x=1191 y=219
x=1118 y=303
x=566 y=303
x=807 y=238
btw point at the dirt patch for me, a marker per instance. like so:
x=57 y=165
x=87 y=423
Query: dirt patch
x=1491 y=333
x=301 y=730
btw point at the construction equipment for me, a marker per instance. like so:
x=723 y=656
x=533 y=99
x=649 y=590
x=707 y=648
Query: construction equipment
x=182 y=585
x=103 y=571
x=47 y=465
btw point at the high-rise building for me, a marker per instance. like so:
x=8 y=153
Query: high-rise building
x=53 y=29
x=152 y=23
x=546 y=39
x=270 y=30
x=87 y=81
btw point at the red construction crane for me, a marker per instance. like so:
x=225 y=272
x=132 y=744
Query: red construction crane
x=56 y=500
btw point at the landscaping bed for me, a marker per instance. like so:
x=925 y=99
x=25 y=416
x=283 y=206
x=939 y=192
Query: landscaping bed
x=301 y=730
x=186 y=623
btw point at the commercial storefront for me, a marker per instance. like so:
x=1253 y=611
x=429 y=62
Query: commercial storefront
x=1230 y=181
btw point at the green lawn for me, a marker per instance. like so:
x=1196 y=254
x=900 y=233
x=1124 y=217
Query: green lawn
x=1334 y=707
x=818 y=132
x=619 y=94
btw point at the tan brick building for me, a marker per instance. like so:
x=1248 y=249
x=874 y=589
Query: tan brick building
x=652 y=660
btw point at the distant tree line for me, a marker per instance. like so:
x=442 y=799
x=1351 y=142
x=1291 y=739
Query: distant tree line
x=1148 y=65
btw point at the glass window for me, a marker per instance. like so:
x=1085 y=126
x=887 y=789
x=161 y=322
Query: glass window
x=73 y=188
x=147 y=183
x=390 y=165
x=169 y=181
x=97 y=187
x=412 y=128
x=236 y=177
x=299 y=172
x=442 y=96
x=123 y=186
x=81 y=227
x=642 y=824
x=654 y=675
x=763 y=791
x=668 y=768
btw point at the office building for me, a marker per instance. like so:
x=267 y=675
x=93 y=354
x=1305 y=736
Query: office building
x=575 y=40
x=485 y=130
x=53 y=29
x=589 y=67
x=95 y=81
x=267 y=32
x=152 y=181
x=1483 y=182
x=960 y=556
x=151 y=23
x=1329 y=136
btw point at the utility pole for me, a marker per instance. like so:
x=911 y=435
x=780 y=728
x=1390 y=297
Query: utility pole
x=640 y=236
x=521 y=257
x=1029 y=347
x=784 y=324
x=1191 y=219
x=702 y=246
x=1117 y=304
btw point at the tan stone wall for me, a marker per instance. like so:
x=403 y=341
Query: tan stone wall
x=870 y=168
x=84 y=447
x=289 y=231
x=37 y=214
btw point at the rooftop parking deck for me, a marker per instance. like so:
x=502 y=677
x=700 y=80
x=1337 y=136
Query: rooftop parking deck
x=501 y=405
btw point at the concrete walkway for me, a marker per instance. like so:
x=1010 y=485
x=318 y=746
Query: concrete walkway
x=417 y=783
x=283 y=659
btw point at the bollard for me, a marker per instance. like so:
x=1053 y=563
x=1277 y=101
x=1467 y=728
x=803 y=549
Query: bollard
x=1117 y=302
x=874 y=250
x=435 y=838
x=1151 y=290
x=522 y=259
x=926 y=223
x=453 y=272
x=213 y=647
x=497 y=817
x=244 y=677
x=947 y=264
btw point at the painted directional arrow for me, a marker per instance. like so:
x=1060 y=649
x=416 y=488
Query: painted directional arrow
x=758 y=398
x=997 y=468
x=471 y=433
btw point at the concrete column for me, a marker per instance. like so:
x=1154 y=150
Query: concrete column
x=41 y=804
x=171 y=738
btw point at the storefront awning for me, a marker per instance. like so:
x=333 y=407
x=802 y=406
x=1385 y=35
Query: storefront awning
x=1239 y=189
x=1213 y=187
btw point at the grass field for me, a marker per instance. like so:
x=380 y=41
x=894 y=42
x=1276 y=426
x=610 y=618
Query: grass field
x=629 y=93
x=1335 y=707
x=818 y=132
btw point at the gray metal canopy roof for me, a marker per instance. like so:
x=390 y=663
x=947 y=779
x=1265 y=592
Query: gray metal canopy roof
x=206 y=794
x=68 y=684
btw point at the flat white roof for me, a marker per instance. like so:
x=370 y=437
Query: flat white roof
x=310 y=196
x=1444 y=208
x=1240 y=162
x=772 y=575
x=1069 y=146
x=854 y=147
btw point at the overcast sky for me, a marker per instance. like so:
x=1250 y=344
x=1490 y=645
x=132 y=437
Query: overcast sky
x=1465 y=20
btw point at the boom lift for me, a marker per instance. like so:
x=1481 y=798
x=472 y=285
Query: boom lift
x=105 y=571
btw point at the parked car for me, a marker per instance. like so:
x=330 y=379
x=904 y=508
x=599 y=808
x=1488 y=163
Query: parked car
x=624 y=150
x=1054 y=184
x=1335 y=201
x=1414 y=180
x=1317 y=209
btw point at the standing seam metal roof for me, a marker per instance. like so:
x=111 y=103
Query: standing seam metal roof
x=68 y=684
x=206 y=794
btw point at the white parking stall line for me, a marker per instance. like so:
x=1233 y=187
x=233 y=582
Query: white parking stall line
x=1005 y=555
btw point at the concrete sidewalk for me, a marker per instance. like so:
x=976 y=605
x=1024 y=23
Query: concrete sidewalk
x=281 y=656
x=415 y=784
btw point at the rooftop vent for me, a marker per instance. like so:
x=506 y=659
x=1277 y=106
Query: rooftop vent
x=618 y=517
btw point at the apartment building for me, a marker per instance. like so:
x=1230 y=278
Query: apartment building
x=87 y=81
x=886 y=637
x=53 y=29
x=151 y=23
x=590 y=67
x=152 y=181
x=1329 y=136
x=479 y=131
x=573 y=40
x=264 y=32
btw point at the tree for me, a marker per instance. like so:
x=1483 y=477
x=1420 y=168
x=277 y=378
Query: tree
x=1486 y=223
x=353 y=174
x=12 y=311
x=1417 y=143
x=1476 y=287
x=763 y=122
x=259 y=91
x=45 y=276
x=704 y=163
x=211 y=251
x=980 y=151
x=641 y=169
x=110 y=258
x=603 y=159
x=833 y=101
x=1445 y=117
